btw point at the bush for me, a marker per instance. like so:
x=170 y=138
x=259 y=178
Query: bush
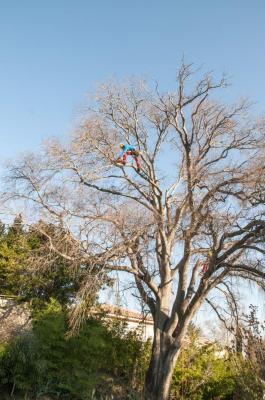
x=208 y=373
x=101 y=360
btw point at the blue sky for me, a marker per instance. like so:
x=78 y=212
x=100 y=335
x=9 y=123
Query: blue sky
x=52 y=52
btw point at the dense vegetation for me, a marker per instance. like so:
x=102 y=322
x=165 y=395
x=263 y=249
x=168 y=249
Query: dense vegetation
x=101 y=358
x=104 y=360
x=24 y=276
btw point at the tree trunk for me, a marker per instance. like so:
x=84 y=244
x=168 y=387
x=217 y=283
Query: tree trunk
x=161 y=367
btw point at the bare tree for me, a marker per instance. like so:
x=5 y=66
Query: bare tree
x=198 y=200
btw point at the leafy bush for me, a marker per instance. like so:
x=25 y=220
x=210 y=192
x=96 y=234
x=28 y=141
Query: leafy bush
x=102 y=359
x=210 y=373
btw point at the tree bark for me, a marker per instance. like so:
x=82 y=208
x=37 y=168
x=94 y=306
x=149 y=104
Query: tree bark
x=161 y=367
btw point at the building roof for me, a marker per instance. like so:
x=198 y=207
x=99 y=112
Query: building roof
x=124 y=314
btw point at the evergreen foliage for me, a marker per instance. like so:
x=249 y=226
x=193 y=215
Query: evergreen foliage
x=19 y=276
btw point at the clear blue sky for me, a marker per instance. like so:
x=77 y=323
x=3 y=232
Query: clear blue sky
x=52 y=52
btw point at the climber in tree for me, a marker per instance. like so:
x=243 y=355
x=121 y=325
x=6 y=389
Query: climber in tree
x=205 y=264
x=128 y=150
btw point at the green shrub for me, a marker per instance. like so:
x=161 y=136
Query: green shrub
x=102 y=359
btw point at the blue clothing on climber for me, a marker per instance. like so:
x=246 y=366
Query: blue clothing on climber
x=128 y=150
x=125 y=148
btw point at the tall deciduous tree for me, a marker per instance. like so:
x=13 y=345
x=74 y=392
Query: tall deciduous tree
x=198 y=200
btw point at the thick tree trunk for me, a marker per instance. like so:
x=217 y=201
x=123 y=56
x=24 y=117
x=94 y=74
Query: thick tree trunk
x=161 y=368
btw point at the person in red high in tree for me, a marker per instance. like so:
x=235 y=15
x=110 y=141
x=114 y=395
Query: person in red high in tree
x=128 y=150
x=205 y=264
